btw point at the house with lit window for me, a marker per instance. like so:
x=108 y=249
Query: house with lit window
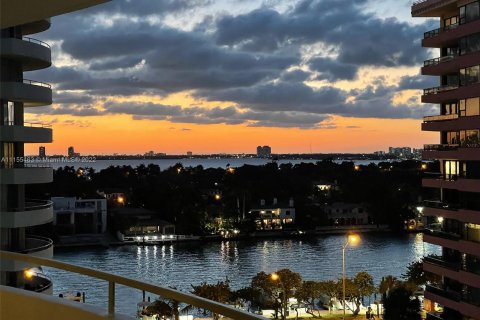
x=274 y=216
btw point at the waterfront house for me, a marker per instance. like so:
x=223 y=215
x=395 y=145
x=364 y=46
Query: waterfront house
x=140 y=222
x=274 y=216
x=79 y=216
x=342 y=213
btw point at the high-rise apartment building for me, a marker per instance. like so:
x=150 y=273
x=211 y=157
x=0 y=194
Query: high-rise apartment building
x=41 y=152
x=264 y=152
x=456 y=209
x=19 y=52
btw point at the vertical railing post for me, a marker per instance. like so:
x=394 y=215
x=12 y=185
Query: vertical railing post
x=111 y=298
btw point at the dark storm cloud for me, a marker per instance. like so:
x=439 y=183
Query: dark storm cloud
x=417 y=82
x=361 y=39
x=255 y=60
x=371 y=102
x=227 y=115
x=332 y=70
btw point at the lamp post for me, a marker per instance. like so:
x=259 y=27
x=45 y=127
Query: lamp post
x=275 y=277
x=352 y=239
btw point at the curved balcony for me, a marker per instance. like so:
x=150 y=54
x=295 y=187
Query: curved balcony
x=32 y=53
x=39 y=283
x=35 y=246
x=47 y=307
x=29 y=133
x=31 y=93
x=38 y=246
x=35 y=212
x=26 y=175
x=36 y=26
x=449 y=64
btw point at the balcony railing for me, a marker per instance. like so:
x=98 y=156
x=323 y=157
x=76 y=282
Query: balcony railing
x=29 y=124
x=436 y=32
x=451 y=295
x=443 y=234
x=33 y=40
x=435 y=61
x=32 y=204
x=439 y=89
x=36 y=244
x=439 y=261
x=37 y=83
x=440 y=147
x=113 y=280
x=433 y=316
x=441 y=117
x=437 y=204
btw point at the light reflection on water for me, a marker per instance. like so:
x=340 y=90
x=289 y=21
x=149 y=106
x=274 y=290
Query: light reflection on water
x=184 y=264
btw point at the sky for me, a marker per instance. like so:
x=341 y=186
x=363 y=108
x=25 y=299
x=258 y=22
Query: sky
x=224 y=76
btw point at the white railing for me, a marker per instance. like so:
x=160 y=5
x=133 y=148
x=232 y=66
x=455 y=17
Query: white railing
x=113 y=280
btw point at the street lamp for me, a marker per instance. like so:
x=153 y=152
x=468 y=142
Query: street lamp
x=275 y=277
x=352 y=240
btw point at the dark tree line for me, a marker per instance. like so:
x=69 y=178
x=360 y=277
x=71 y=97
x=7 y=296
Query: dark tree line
x=192 y=197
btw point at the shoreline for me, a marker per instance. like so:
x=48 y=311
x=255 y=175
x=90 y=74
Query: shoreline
x=290 y=234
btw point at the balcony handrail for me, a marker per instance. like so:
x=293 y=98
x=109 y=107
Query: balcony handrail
x=33 y=204
x=48 y=243
x=441 y=262
x=435 y=90
x=441 y=117
x=28 y=124
x=418 y=2
x=456 y=296
x=436 y=32
x=438 y=60
x=440 y=147
x=113 y=280
x=33 y=40
x=37 y=83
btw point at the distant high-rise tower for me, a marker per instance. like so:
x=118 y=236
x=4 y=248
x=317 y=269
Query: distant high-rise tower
x=455 y=211
x=71 y=151
x=264 y=152
x=41 y=152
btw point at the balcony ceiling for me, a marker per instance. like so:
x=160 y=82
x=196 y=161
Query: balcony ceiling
x=17 y=12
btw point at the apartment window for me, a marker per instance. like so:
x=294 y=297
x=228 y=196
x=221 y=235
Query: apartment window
x=8 y=155
x=450 y=108
x=470 y=107
x=469 y=138
x=469 y=12
x=470 y=44
x=8 y=113
x=451 y=169
x=469 y=76
x=450 y=21
x=452 y=137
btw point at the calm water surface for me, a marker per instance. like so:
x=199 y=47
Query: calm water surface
x=206 y=163
x=184 y=264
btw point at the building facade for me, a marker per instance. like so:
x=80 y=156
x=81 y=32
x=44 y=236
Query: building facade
x=264 y=152
x=79 y=216
x=456 y=208
x=276 y=216
x=19 y=52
